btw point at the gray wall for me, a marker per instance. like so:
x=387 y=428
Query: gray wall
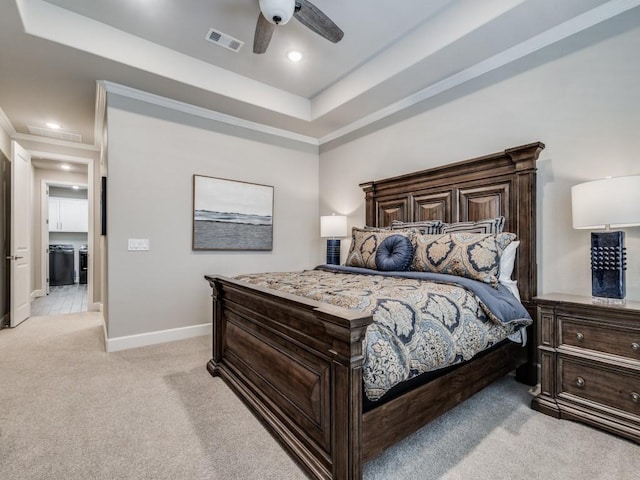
x=153 y=155
x=585 y=107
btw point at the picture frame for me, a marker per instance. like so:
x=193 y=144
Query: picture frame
x=231 y=214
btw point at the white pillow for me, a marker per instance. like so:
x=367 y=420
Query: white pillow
x=508 y=260
x=507 y=263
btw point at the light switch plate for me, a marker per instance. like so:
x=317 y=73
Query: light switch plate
x=138 y=244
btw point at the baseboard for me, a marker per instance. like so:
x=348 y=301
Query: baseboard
x=37 y=293
x=153 y=338
x=95 y=307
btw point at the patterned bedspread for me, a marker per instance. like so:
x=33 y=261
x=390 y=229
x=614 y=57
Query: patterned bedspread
x=419 y=325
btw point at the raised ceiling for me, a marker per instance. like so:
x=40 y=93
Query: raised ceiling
x=393 y=55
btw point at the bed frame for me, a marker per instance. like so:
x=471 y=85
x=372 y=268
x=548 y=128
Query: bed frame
x=298 y=363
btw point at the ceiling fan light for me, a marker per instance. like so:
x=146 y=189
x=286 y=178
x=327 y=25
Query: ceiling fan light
x=277 y=12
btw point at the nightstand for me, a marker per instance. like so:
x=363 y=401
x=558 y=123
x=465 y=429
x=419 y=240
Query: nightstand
x=590 y=362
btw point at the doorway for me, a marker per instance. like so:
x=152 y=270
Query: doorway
x=62 y=232
x=64 y=246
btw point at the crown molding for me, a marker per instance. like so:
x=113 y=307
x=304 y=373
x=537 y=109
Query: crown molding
x=135 y=94
x=553 y=35
x=60 y=157
x=100 y=112
x=54 y=23
x=6 y=125
x=54 y=141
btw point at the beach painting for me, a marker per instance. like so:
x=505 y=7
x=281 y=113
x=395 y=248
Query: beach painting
x=231 y=215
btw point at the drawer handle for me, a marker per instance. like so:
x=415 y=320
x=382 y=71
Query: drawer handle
x=635 y=397
x=580 y=336
x=635 y=346
x=580 y=382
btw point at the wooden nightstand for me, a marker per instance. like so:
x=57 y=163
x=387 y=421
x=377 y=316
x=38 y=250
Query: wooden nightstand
x=590 y=362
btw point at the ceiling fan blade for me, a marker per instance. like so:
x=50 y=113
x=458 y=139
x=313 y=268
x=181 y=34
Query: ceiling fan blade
x=262 y=37
x=310 y=16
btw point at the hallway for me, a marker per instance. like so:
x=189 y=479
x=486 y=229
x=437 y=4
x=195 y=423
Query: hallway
x=61 y=300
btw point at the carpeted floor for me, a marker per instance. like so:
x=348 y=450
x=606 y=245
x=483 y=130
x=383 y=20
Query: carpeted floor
x=71 y=411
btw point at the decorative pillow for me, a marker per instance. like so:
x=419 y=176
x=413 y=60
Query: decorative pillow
x=365 y=244
x=491 y=225
x=376 y=229
x=394 y=254
x=508 y=261
x=471 y=255
x=427 y=226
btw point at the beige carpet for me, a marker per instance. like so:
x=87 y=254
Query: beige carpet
x=71 y=411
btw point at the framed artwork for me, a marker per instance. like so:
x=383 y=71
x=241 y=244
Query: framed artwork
x=231 y=215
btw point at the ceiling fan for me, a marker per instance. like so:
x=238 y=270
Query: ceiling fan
x=279 y=12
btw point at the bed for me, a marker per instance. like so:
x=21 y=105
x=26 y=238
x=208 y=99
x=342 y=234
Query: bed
x=298 y=363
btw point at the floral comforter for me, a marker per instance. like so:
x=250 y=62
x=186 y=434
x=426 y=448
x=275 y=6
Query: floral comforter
x=419 y=326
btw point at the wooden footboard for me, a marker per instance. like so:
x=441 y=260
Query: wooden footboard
x=298 y=365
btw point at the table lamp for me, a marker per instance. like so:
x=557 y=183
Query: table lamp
x=332 y=227
x=602 y=204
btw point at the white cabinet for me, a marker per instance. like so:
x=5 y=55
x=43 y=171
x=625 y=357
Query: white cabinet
x=68 y=214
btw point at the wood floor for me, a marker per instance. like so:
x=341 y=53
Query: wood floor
x=62 y=299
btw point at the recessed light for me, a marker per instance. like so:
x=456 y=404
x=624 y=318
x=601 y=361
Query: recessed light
x=65 y=167
x=76 y=187
x=294 y=56
x=53 y=125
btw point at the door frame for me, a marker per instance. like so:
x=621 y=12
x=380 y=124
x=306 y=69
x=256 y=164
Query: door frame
x=90 y=162
x=44 y=228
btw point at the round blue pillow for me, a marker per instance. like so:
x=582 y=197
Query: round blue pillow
x=394 y=254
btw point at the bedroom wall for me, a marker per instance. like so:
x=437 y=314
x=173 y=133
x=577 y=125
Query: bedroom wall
x=153 y=155
x=585 y=107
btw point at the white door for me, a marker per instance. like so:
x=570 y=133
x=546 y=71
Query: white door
x=20 y=252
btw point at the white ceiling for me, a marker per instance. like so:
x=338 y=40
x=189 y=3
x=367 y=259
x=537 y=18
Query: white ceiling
x=393 y=55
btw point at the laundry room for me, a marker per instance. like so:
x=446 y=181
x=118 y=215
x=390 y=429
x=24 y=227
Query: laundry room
x=68 y=226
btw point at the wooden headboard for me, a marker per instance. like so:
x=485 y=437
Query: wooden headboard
x=485 y=187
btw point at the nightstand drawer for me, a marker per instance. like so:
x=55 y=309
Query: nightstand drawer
x=576 y=333
x=620 y=390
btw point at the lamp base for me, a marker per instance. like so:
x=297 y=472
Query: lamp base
x=608 y=265
x=333 y=252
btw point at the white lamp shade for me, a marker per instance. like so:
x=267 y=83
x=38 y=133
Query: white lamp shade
x=333 y=226
x=611 y=201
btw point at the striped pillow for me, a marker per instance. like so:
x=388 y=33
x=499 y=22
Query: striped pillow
x=429 y=227
x=491 y=225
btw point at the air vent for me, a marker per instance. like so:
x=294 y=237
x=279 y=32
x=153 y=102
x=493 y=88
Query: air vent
x=60 y=135
x=224 y=40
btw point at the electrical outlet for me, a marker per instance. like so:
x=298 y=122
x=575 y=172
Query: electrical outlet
x=138 y=244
